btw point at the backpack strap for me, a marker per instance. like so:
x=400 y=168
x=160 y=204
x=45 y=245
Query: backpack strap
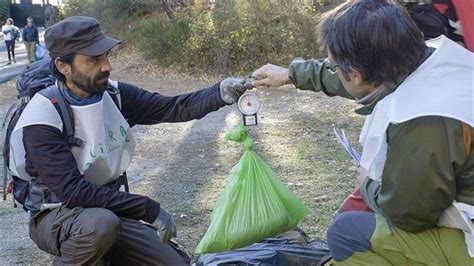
x=467 y=137
x=116 y=98
x=123 y=180
x=114 y=93
x=65 y=111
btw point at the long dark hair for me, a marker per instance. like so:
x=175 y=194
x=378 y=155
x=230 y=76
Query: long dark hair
x=376 y=37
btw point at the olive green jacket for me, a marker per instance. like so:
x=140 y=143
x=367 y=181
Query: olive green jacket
x=426 y=167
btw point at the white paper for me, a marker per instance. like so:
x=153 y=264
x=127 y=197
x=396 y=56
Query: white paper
x=344 y=141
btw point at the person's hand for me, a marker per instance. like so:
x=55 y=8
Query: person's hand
x=270 y=76
x=165 y=226
x=361 y=175
x=232 y=88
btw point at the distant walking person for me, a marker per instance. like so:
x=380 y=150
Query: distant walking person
x=10 y=33
x=30 y=38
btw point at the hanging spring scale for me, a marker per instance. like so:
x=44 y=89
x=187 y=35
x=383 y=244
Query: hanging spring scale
x=249 y=104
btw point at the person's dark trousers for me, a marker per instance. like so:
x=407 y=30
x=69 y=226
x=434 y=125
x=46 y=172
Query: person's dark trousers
x=11 y=50
x=96 y=236
x=350 y=232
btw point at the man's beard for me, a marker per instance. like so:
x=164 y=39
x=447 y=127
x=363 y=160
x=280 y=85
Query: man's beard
x=98 y=84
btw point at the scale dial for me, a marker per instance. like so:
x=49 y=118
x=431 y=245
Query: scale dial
x=248 y=104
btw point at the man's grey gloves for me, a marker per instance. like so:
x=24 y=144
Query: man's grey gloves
x=165 y=226
x=232 y=88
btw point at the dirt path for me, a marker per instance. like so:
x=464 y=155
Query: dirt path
x=185 y=165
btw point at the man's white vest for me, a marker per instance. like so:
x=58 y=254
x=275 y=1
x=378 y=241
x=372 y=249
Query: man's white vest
x=442 y=86
x=107 y=146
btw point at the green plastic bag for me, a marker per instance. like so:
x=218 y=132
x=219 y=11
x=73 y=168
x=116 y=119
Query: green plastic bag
x=254 y=205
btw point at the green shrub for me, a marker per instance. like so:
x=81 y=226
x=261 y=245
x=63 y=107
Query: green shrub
x=219 y=37
x=160 y=38
x=116 y=16
x=4 y=10
x=233 y=37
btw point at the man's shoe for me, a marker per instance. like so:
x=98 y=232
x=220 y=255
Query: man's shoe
x=14 y=60
x=9 y=63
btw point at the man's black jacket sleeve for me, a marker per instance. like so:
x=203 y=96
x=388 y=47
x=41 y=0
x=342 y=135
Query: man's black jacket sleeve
x=48 y=156
x=143 y=107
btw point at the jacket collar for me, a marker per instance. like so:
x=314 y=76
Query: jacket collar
x=370 y=100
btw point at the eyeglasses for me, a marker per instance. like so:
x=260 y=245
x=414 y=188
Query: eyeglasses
x=330 y=66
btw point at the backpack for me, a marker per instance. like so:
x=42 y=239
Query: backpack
x=15 y=34
x=37 y=78
x=428 y=20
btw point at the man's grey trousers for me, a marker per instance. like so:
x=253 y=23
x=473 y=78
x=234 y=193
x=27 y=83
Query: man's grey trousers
x=96 y=236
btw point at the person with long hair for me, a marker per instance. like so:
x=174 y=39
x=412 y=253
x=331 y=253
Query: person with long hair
x=10 y=31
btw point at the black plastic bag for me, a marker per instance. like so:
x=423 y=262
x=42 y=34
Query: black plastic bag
x=290 y=248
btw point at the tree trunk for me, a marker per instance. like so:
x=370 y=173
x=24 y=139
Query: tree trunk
x=169 y=6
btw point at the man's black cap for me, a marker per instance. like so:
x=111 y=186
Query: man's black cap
x=80 y=35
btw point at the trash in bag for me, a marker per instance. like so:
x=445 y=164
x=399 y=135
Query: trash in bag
x=290 y=248
x=40 y=51
x=254 y=205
